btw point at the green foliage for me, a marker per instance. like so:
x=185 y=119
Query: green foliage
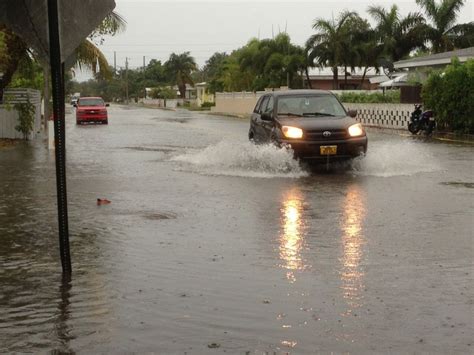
x=444 y=34
x=26 y=119
x=28 y=75
x=450 y=94
x=392 y=96
x=112 y=24
x=163 y=93
x=4 y=56
x=178 y=70
x=208 y=104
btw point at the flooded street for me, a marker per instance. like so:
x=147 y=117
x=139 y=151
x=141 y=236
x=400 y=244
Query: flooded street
x=212 y=244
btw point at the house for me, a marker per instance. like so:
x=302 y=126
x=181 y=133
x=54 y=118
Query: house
x=417 y=70
x=322 y=78
x=202 y=94
x=190 y=93
x=437 y=61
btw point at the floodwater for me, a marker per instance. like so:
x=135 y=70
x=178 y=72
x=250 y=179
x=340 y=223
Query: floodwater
x=214 y=245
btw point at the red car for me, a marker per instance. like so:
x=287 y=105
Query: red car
x=91 y=109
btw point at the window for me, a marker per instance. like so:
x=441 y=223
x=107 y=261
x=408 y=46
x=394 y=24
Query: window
x=263 y=105
x=258 y=105
x=269 y=107
x=91 y=102
x=313 y=105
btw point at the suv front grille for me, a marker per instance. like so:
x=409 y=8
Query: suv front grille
x=317 y=135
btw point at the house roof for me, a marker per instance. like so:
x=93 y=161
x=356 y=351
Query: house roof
x=327 y=72
x=436 y=59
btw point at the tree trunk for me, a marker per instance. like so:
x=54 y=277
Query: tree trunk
x=182 y=90
x=307 y=78
x=335 y=84
x=46 y=97
x=363 y=78
x=345 y=77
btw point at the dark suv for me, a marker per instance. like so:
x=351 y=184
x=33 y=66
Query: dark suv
x=312 y=122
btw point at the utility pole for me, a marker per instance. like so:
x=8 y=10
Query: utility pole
x=126 y=80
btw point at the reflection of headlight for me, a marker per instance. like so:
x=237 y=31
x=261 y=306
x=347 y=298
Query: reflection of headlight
x=292 y=132
x=356 y=130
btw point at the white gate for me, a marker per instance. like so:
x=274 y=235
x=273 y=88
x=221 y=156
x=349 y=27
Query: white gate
x=9 y=116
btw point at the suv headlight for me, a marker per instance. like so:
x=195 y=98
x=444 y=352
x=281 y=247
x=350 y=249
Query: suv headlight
x=356 y=130
x=292 y=132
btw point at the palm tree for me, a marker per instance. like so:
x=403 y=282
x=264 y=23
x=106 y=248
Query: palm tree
x=327 y=46
x=369 y=51
x=399 y=36
x=179 y=68
x=89 y=55
x=444 y=34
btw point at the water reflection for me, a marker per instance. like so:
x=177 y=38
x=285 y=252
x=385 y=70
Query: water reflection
x=293 y=233
x=352 y=273
x=62 y=318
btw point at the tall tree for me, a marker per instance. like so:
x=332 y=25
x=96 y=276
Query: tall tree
x=212 y=71
x=179 y=68
x=444 y=34
x=13 y=50
x=327 y=47
x=398 y=35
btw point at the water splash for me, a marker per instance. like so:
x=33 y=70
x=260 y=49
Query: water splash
x=242 y=159
x=395 y=158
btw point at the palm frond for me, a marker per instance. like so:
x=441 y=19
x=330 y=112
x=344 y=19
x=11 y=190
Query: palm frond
x=90 y=57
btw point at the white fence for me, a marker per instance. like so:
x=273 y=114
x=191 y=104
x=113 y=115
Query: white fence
x=170 y=103
x=395 y=116
x=9 y=116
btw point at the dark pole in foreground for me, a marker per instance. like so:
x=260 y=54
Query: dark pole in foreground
x=57 y=81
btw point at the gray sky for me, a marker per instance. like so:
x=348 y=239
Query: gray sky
x=156 y=28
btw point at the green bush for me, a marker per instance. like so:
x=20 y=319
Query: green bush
x=26 y=119
x=450 y=94
x=208 y=104
x=390 y=96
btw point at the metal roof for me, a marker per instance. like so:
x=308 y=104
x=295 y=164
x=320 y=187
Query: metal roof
x=296 y=92
x=436 y=59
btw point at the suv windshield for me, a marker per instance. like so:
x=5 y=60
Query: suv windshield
x=310 y=105
x=91 y=102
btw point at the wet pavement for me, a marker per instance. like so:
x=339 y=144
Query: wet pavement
x=214 y=245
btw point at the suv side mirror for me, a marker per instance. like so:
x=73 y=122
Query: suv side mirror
x=266 y=116
x=107 y=105
x=352 y=113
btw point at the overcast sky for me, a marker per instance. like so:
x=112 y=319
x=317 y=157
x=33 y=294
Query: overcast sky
x=156 y=28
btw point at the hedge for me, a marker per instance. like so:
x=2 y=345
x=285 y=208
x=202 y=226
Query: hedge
x=390 y=96
x=450 y=94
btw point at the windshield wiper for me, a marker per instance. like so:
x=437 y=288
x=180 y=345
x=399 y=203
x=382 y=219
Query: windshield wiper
x=289 y=114
x=318 y=114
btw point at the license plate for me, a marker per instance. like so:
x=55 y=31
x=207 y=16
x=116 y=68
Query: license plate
x=328 y=149
x=431 y=118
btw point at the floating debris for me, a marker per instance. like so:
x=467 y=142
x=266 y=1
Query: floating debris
x=103 y=201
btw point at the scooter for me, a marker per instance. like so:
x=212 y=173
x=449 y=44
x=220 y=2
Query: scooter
x=421 y=121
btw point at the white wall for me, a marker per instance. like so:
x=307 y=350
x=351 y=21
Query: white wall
x=394 y=116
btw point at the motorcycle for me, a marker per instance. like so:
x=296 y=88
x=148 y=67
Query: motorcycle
x=421 y=121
